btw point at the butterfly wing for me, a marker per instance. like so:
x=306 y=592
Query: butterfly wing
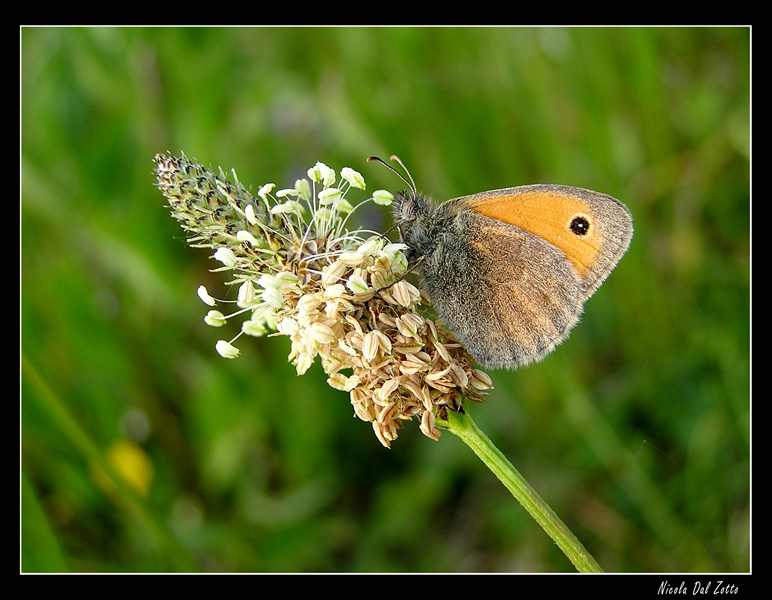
x=513 y=271
x=592 y=230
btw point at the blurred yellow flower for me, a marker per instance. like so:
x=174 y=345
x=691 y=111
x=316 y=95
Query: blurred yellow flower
x=131 y=463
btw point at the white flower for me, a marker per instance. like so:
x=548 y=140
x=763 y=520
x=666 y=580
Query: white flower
x=273 y=297
x=304 y=362
x=396 y=257
x=329 y=195
x=247 y=295
x=371 y=246
x=287 y=279
x=303 y=189
x=290 y=206
x=215 y=318
x=383 y=197
x=342 y=205
x=357 y=284
x=254 y=328
x=287 y=192
x=205 y=297
x=274 y=286
x=249 y=213
x=353 y=177
x=226 y=349
x=225 y=256
x=264 y=315
x=245 y=236
x=265 y=190
x=321 y=173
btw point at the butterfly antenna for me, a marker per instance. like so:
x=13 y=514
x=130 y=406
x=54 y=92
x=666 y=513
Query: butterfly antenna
x=396 y=158
x=410 y=184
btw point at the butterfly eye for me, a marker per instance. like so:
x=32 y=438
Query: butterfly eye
x=580 y=226
x=408 y=208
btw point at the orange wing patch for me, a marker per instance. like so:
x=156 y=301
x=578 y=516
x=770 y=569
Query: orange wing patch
x=547 y=214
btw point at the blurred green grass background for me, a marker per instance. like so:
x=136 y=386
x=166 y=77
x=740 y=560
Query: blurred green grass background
x=636 y=430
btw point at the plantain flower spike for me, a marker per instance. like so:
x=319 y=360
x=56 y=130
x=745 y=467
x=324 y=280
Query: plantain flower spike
x=339 y=295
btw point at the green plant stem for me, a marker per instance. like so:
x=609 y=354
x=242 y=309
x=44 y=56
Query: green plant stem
x=465 y=428
x=92 y=455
